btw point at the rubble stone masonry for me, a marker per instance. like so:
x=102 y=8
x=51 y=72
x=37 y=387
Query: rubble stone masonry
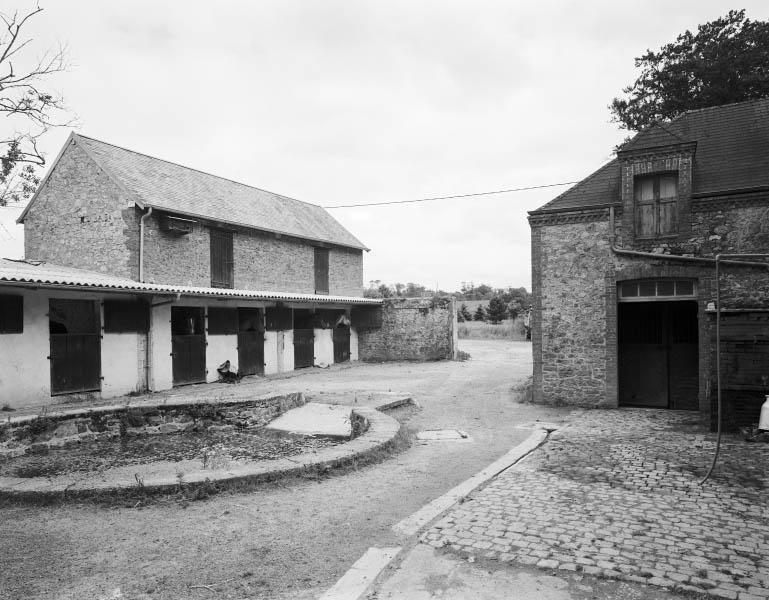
x=574 y=282
x=412 y=329
x=82 y=219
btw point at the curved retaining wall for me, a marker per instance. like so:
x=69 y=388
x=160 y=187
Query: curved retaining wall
x=379 y=431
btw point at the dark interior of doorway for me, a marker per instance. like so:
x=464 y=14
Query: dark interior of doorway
x=658 y=362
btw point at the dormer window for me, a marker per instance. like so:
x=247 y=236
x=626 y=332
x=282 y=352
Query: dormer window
x=656 y=205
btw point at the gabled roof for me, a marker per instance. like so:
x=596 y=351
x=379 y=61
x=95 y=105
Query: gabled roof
x=732 y=153
x=46 y=275
x=173 y=188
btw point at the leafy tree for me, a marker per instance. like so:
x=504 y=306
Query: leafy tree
x=385 y=291
x=414 y=290
x=726 y=60
x=30 y=108
x=464 y=313
x=480 y=314
x=497 y=310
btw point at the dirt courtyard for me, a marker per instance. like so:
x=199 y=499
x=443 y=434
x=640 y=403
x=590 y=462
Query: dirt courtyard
x=287 y=540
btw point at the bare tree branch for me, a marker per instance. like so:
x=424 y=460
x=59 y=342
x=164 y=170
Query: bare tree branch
x=29 y=107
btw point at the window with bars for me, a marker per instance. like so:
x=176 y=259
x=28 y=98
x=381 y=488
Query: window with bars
x=656 y=205
x=222 y=264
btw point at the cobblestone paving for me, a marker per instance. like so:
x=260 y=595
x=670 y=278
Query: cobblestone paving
x=616 y=495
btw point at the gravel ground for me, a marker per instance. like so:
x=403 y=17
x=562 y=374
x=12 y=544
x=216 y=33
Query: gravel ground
x=289 y=540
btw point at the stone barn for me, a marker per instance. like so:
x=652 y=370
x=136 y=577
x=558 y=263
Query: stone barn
x=623 y=270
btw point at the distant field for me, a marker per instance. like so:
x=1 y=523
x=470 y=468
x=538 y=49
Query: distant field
x=479 y=330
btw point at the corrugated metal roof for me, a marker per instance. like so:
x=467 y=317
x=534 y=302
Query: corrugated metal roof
x=56 y=276
x=174 y=188
x=732 y=154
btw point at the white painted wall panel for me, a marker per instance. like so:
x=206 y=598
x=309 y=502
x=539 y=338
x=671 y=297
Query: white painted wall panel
x=219 y=349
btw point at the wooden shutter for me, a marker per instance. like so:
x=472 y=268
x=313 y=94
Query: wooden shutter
x=646 y=225
x=221 y=259
x=321 y=271
x=668 y=203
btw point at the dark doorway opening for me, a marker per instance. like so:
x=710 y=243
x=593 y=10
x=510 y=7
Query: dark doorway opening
x=304 y=339
x=75 y=334
x=188 y=345
x=341 y=337
x=658 y=362
x=250 y=341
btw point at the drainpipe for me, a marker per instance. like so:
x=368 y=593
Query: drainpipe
x=141 y=243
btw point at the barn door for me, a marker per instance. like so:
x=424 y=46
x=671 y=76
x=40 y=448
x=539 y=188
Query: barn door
x=658 y=354
x=250 y=341
x=304 y=339
x=341 y=343
x=188 y=343
x=75 y=336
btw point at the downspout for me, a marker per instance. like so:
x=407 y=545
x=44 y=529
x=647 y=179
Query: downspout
x=141 y=243
x=149 y=373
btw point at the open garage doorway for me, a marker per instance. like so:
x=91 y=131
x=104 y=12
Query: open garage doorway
x=658 y=347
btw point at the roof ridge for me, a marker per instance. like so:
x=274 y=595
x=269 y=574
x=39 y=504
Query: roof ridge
x=170 y=162
x=718 y=106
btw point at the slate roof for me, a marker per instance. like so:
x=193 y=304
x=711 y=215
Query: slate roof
x=47 y=275
x=181 y=190
x=732 y=154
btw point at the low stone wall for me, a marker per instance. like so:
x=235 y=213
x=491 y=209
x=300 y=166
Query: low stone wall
x=39 y=433
x=412 y=329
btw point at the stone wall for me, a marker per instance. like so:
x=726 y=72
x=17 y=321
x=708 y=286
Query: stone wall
x=574 y=281
x=82 y=219
x=412 y=329
x=262 y=261
x=39 y=433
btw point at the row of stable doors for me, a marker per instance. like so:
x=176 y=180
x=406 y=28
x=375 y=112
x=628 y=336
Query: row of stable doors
x=75 y=345
x=188 y=341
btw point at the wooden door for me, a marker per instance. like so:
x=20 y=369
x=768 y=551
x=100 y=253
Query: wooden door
x=341 y=343
x=75 y=342
x=188 y=345
x=304 y=348
x=658 y=354
x=250 y=341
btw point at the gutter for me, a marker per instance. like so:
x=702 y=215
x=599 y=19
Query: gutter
x=141 y=243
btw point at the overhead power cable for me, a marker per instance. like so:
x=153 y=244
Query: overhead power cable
x=520 y=189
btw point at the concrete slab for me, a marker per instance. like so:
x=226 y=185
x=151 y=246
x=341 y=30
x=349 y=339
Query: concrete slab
x=443 y=435
x=315 y=418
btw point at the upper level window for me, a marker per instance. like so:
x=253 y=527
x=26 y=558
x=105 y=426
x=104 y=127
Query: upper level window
x=656 y=201
x=221 y=259
x=321 y=270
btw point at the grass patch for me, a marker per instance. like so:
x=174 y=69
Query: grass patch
x=522 y=391
x=480 y=330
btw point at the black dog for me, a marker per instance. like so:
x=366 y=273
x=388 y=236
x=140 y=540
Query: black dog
x=226 y=375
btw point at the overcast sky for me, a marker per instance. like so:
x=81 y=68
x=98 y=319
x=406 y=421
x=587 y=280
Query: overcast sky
x=347 y=102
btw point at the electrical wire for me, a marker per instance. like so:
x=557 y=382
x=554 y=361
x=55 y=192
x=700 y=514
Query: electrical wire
x=520 y=189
